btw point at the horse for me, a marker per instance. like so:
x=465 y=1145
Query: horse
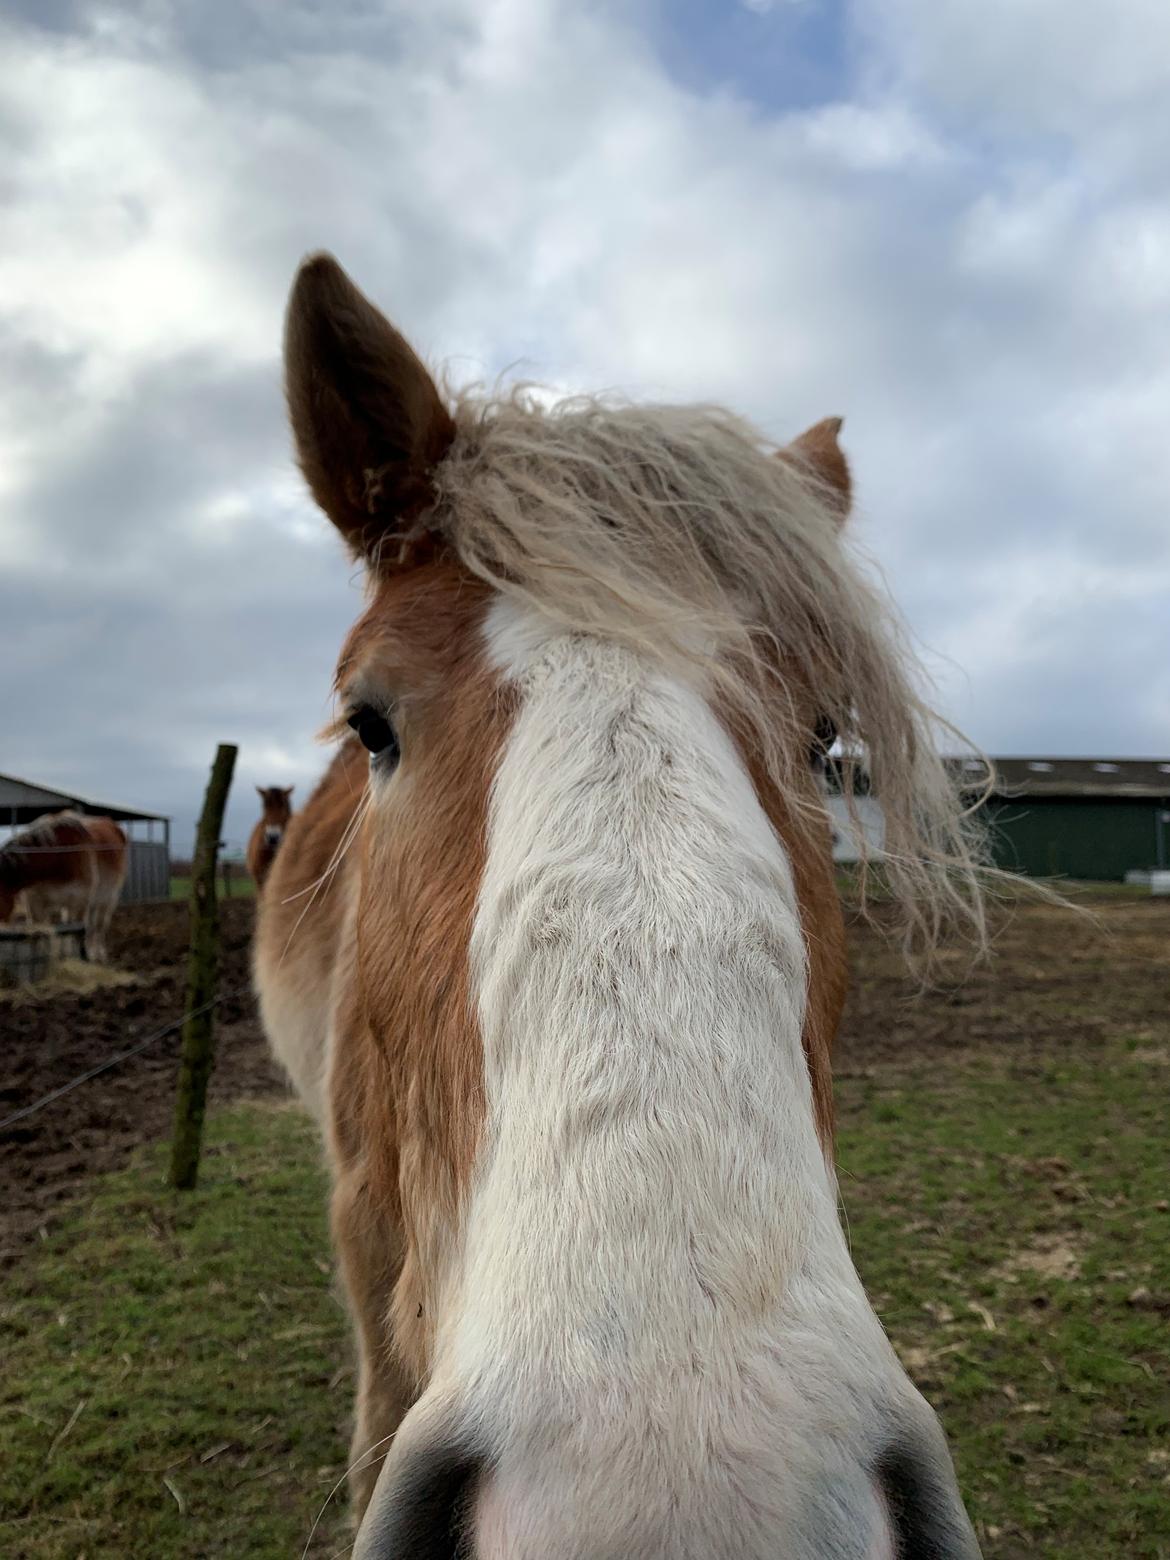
x=66 y=865
x=269 y=831
x=555 y=957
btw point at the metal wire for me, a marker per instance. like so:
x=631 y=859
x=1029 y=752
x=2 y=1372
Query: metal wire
x=113 y=1061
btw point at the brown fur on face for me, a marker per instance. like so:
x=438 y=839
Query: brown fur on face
x=407 y=1088
x=301 y=922
x=807 y=839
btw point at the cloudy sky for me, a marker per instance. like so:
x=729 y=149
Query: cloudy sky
x=948 y=220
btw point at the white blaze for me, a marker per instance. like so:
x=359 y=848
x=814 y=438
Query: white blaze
x=654 y=1321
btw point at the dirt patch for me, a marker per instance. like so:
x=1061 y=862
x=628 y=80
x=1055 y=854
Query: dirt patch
x=1059 y=982
x=47 y=1159
x=1049 y=1256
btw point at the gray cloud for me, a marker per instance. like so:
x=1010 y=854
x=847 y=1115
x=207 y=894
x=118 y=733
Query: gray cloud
x=967 y=259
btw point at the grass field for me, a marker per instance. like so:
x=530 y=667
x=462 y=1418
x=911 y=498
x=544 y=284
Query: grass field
x=1010 y=1221
x=174 y=1376
x=241 y=886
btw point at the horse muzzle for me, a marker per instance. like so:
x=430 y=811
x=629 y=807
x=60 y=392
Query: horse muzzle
x=453 y=1498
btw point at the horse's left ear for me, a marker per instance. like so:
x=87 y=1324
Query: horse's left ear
x=818 y=452
x=289 y=791
x=368 y=422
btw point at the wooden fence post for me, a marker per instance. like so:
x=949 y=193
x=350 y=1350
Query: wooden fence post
x=203 y=969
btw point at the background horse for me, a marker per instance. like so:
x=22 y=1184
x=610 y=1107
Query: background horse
x=555 y=955
x=66 y=865
x=269 y=831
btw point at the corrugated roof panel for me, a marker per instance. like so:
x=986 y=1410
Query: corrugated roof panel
x=22 y=801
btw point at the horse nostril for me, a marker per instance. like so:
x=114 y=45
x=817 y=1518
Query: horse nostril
x=421 y=1513
x=922 y=1495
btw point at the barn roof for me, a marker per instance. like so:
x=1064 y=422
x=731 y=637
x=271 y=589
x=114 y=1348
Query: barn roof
x=1085 y=777
x=1137 y=778
x=23 y=801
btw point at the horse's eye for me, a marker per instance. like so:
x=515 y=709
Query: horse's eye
x=824 y=733
x=375 y=733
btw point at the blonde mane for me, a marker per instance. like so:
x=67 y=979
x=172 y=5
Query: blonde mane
x=678 y=531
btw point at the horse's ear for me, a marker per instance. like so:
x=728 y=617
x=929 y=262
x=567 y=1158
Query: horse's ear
x=818 y=453
x=289 y=791
x=260 y=792
x=367 y=419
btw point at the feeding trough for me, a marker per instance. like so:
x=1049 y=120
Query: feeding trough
x=30 y=953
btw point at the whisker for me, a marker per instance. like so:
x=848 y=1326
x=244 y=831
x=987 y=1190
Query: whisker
x=313 y=889
x=353 y=1468
x=345 y=842
x=335 y=860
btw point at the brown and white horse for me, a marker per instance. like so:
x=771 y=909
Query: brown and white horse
x=269 y=831
x=554 y=954
x=66 y=865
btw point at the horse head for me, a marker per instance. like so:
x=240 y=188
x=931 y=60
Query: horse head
x=587 y=960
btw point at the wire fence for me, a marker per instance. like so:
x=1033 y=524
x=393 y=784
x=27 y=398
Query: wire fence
x=15 y=848
x=120 y=1056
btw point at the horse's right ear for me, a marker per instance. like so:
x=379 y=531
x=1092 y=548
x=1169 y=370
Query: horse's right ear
x=367 y=419
x=818 y=453
x=260 y=792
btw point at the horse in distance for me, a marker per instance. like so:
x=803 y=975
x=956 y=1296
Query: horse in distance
x=264 y=841
x=554 y=955
x=66 y=865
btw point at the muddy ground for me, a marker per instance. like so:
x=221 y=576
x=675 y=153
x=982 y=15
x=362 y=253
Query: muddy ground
x=1058 y=981
x=47 y=1158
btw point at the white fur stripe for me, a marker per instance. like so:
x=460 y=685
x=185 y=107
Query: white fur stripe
x=654 y=1299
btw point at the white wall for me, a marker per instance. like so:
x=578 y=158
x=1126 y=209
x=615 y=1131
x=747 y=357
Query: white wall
x=869 y=817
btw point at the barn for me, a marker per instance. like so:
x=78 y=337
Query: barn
x=1093 y=819
x=149 y=873
x=1086 y=818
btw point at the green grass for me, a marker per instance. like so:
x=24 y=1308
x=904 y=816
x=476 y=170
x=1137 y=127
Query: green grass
x=1010 y=1221
x=242 y=886
x=173 y=1376
x=1008 y=1216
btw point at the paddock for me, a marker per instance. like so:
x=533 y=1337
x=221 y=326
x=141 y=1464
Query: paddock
x=176 y=1379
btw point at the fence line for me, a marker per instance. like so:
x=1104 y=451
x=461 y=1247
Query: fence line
x=121 y=1056
x=14 y=848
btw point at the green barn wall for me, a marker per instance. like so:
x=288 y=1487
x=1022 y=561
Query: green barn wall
x=1076 y=838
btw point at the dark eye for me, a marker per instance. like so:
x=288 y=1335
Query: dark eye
x=824 y=735
x=375 y=733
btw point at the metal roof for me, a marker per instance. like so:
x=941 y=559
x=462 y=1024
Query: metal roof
x=1135 y=778
x=1087 y=777
x=23 y=801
